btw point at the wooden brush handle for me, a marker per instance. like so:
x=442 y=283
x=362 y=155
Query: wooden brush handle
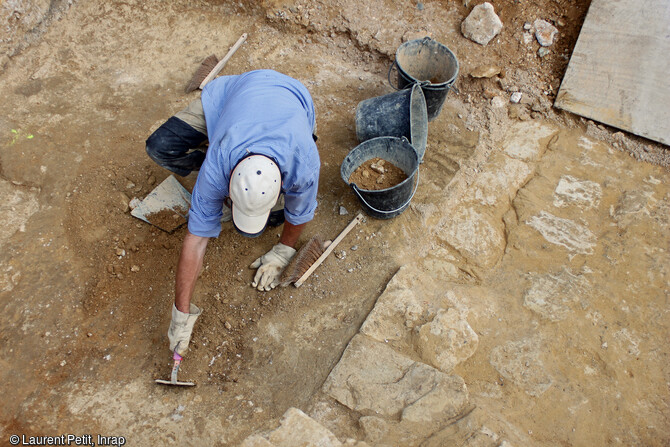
x=218 y=67
x=328 y=250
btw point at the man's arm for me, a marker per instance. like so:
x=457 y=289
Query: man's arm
x=290 y=234
x=188 y=269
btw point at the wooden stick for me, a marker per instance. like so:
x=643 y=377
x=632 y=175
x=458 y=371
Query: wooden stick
x=218 y=67
x=329 y=250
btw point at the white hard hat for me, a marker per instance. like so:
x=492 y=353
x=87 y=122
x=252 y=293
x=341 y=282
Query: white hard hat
x=255 y=185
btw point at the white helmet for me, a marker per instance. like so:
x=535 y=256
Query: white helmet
x=255 y=185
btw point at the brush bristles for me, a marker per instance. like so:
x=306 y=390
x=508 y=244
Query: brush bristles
x=303 y=260
x=205 y=68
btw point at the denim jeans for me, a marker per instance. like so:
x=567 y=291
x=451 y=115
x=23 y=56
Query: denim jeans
x=174 y=146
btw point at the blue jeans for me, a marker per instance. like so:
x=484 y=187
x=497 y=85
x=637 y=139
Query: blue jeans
x=174 y=146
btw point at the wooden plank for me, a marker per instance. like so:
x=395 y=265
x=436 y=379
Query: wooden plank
x=619 y=72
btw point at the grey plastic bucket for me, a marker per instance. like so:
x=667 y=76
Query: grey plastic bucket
x=398 y=114
x=389 y=202
x=430 y=64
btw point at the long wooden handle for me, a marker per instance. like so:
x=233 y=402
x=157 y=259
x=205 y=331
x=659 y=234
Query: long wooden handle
x=218 y=67
x=328 y=250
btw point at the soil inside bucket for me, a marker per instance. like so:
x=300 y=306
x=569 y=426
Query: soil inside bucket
x=377 y=174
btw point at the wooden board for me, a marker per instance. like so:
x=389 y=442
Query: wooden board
x=619 y=72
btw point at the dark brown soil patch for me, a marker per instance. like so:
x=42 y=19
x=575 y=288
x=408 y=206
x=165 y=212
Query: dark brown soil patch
x=168 y=219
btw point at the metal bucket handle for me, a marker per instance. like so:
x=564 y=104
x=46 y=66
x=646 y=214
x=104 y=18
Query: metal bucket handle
x=416 y=186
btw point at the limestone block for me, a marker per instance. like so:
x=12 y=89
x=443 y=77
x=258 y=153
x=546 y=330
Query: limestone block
x=299 y=430
x=482 y=24
x=525 y=140
x=551 y=295
x=403 y=305
x=500 y=178
x=519 y=362
x=477 y=235
x=564 y=232
x=256 y=441
x=581 y=193
x=447 y=340
x=373 y=379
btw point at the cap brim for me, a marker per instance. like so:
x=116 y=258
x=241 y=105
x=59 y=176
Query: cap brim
x=249 y=226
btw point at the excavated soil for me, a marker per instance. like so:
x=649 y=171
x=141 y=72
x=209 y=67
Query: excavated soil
x=377 y=174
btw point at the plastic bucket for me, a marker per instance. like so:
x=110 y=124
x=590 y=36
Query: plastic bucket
x=389 y=202
x=432 y=65
x=398 y=114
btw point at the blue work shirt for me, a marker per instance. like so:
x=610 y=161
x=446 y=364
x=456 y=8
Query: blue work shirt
x=260 y=112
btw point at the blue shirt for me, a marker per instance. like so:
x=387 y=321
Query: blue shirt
x=260 y=112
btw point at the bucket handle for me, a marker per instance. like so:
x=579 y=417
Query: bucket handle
x=388 y=76
x=426 y=85
x=416 y=186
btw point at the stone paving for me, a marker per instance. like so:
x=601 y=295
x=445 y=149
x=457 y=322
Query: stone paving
x=584 y=229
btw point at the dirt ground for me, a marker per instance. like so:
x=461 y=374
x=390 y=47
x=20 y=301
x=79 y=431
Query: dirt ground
x=87 y=288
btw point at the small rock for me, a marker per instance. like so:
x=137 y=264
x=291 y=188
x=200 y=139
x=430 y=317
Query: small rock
x=527 y=26
x=527 y=38
x=543 y=51
x=485 y=71
x=135 y=268
x=130 y=185
x=343 y=211
x=419 y=6
x=354 y=248
x=88 y=334
x=516 y=97
x=380 y=179
x=120 y=252
x=545 y=32
x=366 y=173
x=228 y=325
x=482 y=24
x=498 y=102
x=124 y=202
x=151 y=180
x=377 y=168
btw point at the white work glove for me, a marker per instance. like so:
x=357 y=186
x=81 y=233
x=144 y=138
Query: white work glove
x=270 y=266
x=181 y=327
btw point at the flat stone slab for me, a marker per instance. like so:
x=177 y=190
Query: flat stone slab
x=372 y=378
x=519 y=362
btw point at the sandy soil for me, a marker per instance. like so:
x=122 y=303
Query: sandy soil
x=85 y=320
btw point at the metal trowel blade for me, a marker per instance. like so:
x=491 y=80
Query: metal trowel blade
x=168 y=196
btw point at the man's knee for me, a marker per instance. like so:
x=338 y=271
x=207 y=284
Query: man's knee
x=157 y=146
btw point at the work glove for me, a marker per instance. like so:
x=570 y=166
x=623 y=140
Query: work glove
x=270 y=266
x=181 y=327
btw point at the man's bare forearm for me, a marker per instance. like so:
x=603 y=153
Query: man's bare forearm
x=188 y=269
x=291 y=233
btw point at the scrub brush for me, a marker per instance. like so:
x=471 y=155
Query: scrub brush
x=210 y=67
x=311 y=255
